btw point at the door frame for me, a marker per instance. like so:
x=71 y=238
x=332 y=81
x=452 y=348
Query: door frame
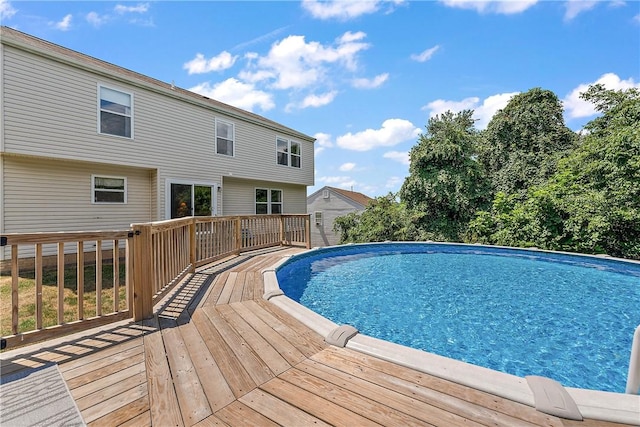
x=215 y=188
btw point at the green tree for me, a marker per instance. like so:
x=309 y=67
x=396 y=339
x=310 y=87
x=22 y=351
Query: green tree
x=383 y=219
x=446 y=184
x=592 y=203
x=523 y=141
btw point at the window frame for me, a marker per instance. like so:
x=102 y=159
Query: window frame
x=101 y=110
x=233 y=137
x=269 y=203
x=288 y=152
x=94 y=189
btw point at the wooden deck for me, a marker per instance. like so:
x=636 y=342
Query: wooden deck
x=217 y=354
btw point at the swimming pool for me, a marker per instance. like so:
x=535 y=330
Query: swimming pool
x=566 y=317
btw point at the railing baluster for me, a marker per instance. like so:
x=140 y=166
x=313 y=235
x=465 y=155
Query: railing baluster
x=98 y=277
x=14 y=289
x=116 y=276
x=38 y=276
x=80 y=279
x=60 y=283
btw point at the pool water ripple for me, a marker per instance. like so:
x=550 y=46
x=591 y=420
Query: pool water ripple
x=518 y=312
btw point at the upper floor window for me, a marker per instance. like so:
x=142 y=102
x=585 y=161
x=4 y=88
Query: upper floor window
x=268 y=201
x=225 y=136
x=116 y=112
x=108 y=189
x=288 y=152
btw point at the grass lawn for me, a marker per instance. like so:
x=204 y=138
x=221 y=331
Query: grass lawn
x=27 y=297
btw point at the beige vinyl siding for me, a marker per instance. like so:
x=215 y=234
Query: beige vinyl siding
x=168 y=133
x=44 y=196
x=331 y=208
x=239 y=196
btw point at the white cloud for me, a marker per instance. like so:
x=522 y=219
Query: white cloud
x=505 y=7
x=318 y=100
x=575 y=107
x=394 y=182
x=425 y=55
x=483 y=112
x=200 y=65
x=344 y=10
x=370 y=83
x=236 y=93
x=139 y=8
x=95 y=19
x=398 y=156
x=323 y=141
x=294 y=63
x=637 y=18
x=347 y=167
x=6 y=10
x=64 y=24
x=575 y=7
x=392 y=132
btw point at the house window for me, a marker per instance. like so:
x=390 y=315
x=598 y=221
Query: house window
x=108 y=189
x=224 y=137
x=318 y=217
x=268 y=201
x=288 y=152
x=116 y=112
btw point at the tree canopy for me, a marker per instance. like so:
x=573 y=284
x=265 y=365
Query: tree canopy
x=523 y=141
x=445 y=185
x=527 y=180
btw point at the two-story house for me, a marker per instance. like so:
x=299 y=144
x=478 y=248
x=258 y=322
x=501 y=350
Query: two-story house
x=88 y=145
x=325 y=205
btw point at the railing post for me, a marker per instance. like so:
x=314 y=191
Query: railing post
x=307 y=230
x=192 y=245
x=633 y=379
x=142 y=272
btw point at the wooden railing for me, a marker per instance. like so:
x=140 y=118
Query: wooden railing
x=146 y=262
x=76 y=261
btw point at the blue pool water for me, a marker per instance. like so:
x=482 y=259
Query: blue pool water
x=565 y=317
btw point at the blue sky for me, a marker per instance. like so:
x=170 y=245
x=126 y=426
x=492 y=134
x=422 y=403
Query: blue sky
x=363 y=77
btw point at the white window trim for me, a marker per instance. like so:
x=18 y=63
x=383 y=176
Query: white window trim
x=93 y=189
x=167 y=193
x=269 y=202
x=318 y=218
x=99 y=109
x=233 y=137
x=289 y=154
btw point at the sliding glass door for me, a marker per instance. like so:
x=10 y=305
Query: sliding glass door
x=187 y=199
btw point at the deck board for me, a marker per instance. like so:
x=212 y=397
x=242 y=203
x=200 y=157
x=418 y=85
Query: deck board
x=239 y=381
x=217 y=354
x=280 y=411
x=273 y=360
x=163 y=400
x=192 y=399
x=315 y=404
x=255 y=367
x=239 y=414
x=211 y=378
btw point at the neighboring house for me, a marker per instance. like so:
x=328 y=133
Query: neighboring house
x=87 y=145
x=325 y=205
